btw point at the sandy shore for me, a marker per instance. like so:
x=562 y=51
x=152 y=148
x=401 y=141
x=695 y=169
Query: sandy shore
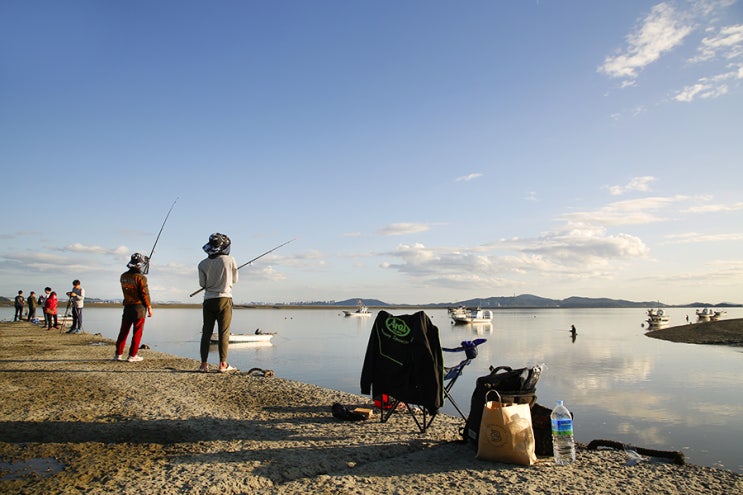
x=723 y=332
x=74 y=421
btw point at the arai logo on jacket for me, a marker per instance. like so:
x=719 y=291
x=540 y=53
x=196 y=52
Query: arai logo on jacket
x=397 y=327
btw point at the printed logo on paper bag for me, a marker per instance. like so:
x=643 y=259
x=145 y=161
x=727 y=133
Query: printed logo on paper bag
x=496 y=435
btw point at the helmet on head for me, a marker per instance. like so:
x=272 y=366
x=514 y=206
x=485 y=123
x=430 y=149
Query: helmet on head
x=138 y=261
x=218 y=244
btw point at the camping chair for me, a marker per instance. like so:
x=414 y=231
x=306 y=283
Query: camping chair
x=389 y=405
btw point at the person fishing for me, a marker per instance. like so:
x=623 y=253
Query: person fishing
x=217 y=275
x=136 y=305
x=77 y=299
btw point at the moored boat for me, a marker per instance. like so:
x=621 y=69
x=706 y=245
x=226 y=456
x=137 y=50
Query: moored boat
x=258 y=336
x=719 y=314
x=705 y=314
x=657 y=318
x=709 y=314
x=471 y=316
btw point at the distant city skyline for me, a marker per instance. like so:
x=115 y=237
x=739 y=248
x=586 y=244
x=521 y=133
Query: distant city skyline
x=418 y=152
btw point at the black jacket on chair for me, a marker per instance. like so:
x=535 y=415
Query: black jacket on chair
x=403 y=359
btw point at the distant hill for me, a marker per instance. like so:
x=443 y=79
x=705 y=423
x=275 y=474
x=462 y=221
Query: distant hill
x=522 y=301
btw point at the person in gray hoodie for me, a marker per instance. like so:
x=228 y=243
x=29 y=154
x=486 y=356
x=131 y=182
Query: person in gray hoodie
x=217 y=275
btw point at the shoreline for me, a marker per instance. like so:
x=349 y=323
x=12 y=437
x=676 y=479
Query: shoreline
x=73 y=420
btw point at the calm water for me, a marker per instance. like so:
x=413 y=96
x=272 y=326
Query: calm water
x=619 y=384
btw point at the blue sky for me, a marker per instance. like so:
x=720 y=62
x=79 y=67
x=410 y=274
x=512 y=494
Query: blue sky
x=418 y=151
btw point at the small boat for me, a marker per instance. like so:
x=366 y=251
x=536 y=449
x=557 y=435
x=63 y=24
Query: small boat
x=719 y=314
x=471 y=316
x=361 y=310
x=705 y=314
x=235 y=338
x=709 y=314
x=657 y=318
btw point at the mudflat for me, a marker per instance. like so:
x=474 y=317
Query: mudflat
x=721 y=332
x=74 y=421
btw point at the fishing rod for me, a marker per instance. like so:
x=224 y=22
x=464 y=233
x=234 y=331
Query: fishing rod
x=249 y=262
x=146 y=268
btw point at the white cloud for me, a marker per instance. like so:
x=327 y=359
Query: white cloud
x=726 y=43
x=635 y=184
x=695 y=237
x=714 y=208
x=467 y=178
x=81 y=248
x=709 y=87
x=403 y=228
x=661 y=31
x=628 y=212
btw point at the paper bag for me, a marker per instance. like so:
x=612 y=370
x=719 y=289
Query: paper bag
x=506 y=433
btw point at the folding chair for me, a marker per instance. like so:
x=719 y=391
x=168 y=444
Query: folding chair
x=403 y=367
x=389 y=405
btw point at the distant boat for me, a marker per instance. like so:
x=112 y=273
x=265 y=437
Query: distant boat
x=478 y=315
x=709 y=314
x=361 y=310
x=258 y=336
x=719 y=314
x=657 y=318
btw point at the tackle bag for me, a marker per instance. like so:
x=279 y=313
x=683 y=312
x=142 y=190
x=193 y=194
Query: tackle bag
x=517 y=386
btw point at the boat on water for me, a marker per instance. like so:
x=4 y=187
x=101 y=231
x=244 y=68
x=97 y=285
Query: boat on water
x=238 y=338
x=719 y=314
x=361 y=310
x=709 y=314
x=657 y=318
x=478 y=315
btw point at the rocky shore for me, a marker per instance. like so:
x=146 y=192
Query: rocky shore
x=74 y=421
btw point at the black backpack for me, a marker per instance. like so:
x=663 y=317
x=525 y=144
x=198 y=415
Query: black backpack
x=514 y=386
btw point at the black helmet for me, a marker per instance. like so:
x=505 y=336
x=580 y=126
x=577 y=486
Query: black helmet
x=218 y=244
x=138 y=261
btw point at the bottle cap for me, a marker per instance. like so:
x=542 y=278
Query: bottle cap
x=559 y=402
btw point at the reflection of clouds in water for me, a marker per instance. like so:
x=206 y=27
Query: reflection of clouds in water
x=651 y=435
x=714 y=414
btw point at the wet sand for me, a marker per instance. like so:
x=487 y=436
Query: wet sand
x=73 y=421
x=723 y=332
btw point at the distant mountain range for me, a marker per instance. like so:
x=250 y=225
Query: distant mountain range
x=520 y=301
x=526 y=301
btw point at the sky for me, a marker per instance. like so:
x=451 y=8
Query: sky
x=415 y=152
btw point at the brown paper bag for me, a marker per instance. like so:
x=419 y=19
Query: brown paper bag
x=506 y=433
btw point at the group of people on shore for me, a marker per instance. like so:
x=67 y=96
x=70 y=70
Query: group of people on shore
x=217 y=275
x=48 y=302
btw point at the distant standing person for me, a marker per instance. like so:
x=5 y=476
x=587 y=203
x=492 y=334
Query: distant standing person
x=50 y=310
x=31 y=301
x=136 y=305
x=217 y=275
x=77 y=297
x=42 y=302
x=20 y=301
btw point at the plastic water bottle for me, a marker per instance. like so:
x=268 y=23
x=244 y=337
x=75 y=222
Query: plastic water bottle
x=563 y=444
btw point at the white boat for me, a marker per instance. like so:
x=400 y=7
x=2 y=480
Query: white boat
x=361 y=310
x=236 y=338
x=709 y=314
x=472 y=316
x=657 y=318
x=705 y=314
x=719 y=314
